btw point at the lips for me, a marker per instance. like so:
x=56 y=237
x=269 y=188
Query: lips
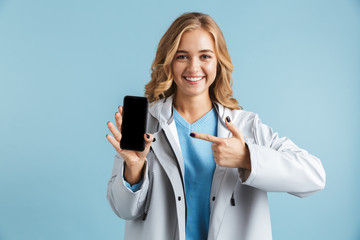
x=193 y=78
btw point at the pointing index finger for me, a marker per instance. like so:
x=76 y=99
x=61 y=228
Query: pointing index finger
x=206 y=137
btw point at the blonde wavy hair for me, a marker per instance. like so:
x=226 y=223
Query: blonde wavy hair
x=162 y=82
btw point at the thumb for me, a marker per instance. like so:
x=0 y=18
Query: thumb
x=233 y=129
x=149 y=138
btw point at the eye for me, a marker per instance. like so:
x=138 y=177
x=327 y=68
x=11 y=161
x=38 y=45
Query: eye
x=182 y=57
x=205 y=56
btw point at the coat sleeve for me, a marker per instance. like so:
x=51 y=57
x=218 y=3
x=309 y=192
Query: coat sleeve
x=125 y=203
x=278 y=165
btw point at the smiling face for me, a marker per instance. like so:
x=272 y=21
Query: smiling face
x=194 y=65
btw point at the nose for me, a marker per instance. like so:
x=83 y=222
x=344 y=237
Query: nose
x=193 y=65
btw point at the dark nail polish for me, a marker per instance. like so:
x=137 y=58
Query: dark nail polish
x=107 y=135
x=228 y=119
x=154 y=140
x=148 y=136
x=192 y=134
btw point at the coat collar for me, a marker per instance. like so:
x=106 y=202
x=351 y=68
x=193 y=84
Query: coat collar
x=162 y=110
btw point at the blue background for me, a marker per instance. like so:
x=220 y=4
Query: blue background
x=66 y=65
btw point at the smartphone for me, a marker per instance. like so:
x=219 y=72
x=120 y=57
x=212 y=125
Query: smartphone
x=134 y=118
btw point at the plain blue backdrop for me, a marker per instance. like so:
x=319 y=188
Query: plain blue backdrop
x=65 y=66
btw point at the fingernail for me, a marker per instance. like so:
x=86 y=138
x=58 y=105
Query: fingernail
x=107 y=135
x=154 y=140
x=115 y=113
x=192 y=134
x=118 y=106
x=148 y=136
x=108 y=122
x=228 y=119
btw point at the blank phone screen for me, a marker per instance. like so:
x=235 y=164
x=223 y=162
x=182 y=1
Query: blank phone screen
x=134 y=123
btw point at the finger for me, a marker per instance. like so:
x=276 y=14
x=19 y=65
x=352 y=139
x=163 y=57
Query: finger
x=114 y=142
x=149 y=138
x=215 y=154
x=120 y=108
x=216 y=160
x=233 y=129
x=115 y=132
x=206 y=137
x=213 y=147
x=118 y=120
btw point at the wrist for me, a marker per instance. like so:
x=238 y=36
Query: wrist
x=134 y=172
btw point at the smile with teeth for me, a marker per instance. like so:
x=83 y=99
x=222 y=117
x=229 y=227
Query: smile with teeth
x=194 y=79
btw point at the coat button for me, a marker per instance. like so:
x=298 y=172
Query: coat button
x=213 y=198
x=179 y=198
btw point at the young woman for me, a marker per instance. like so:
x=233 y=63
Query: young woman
x=208 y=173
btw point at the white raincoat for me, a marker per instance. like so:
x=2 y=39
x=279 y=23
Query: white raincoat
x=238 y=201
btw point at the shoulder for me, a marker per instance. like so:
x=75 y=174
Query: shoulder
x=162 y=109
x=239 y=117
x=242 y=115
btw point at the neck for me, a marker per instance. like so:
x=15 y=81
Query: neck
x=192 y=108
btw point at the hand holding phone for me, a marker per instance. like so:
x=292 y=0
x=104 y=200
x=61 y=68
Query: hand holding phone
x=134 y=159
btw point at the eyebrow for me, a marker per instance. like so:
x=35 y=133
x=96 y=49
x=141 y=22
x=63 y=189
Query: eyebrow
x=201 y=51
